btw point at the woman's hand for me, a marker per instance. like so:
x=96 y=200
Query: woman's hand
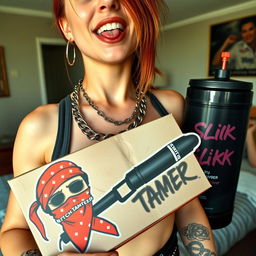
x=89 y=254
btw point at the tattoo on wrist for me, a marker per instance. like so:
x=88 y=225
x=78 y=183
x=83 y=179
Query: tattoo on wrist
x=196 y=248
x=34 y=252
x=195 y=231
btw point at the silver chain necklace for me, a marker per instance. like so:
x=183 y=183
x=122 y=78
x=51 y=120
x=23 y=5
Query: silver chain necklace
x=88 y=131
x=109 y=119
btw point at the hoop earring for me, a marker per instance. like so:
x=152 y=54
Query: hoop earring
x=70 y=63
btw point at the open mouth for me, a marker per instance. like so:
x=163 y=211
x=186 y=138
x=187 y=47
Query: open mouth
x=111 y=30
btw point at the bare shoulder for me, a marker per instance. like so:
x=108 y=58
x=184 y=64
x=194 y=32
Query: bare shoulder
x=172 y=101
x=39 y=120
x=35 y=137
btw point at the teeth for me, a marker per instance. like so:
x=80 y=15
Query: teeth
x=110 y=26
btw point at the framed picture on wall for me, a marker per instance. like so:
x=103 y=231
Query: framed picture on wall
x=4 y=90
x=239 y=38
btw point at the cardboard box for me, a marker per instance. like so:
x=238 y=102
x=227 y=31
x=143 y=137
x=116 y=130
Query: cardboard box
x=78 y=202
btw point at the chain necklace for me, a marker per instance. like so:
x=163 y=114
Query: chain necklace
x=88 y=131
x=109 y=119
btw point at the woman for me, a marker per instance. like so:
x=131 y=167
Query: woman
x=117 y=39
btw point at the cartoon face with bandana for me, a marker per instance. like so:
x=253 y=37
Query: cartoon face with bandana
x=63 y=192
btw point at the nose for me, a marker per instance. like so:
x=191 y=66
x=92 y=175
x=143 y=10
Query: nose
x=108 y=5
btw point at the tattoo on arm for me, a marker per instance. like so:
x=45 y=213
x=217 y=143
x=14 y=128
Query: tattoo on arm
x=196 y=248
x=195 y=231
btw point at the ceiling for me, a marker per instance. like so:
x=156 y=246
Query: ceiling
x=179 y=9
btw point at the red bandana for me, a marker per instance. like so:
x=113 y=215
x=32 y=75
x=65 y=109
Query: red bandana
x=76 y=214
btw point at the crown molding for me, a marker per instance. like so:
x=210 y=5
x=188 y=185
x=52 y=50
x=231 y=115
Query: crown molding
x=209 y=15
x=27 y=12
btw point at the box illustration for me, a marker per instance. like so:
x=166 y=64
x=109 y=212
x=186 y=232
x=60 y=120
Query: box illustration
x=83 y=202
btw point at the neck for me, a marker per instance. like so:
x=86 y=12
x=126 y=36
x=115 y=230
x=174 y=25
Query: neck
x=108 y=82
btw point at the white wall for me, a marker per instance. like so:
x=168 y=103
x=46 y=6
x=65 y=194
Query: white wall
x=184 y=48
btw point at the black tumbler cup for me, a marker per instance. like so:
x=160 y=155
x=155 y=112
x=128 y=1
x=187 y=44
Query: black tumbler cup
x=217 y=110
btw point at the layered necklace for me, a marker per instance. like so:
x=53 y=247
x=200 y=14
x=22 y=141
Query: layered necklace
x=137 y=115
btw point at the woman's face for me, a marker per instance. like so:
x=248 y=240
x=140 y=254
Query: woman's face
x=102 y=29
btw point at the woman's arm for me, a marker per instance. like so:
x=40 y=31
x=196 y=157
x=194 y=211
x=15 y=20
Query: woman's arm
x=29 y=152
x=195 y=230
x=251 y=144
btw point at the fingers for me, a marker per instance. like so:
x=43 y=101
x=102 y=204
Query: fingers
x=231 y=39
x=89 y=254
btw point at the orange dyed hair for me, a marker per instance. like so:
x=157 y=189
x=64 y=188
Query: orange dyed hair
x=145 y=15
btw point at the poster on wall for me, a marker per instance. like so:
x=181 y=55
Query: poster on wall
x=239 y=38
x=4 y=90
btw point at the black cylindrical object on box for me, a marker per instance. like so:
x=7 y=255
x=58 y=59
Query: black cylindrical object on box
x=217 y=110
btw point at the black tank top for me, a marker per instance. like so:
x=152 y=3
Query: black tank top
x=62 y=143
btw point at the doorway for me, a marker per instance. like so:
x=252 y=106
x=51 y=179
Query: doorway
x=57 y=78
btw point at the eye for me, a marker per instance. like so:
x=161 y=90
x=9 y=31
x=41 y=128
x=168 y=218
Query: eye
x=57 y=199
x=76 y=186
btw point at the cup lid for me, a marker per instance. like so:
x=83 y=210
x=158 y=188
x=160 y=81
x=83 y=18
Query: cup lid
x=221 y=84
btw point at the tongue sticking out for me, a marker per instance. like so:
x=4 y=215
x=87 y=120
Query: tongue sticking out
x=111 y=34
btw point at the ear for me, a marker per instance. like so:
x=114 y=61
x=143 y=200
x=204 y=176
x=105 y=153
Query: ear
x=66 y=30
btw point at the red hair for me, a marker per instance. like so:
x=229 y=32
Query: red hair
x=145 y=15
